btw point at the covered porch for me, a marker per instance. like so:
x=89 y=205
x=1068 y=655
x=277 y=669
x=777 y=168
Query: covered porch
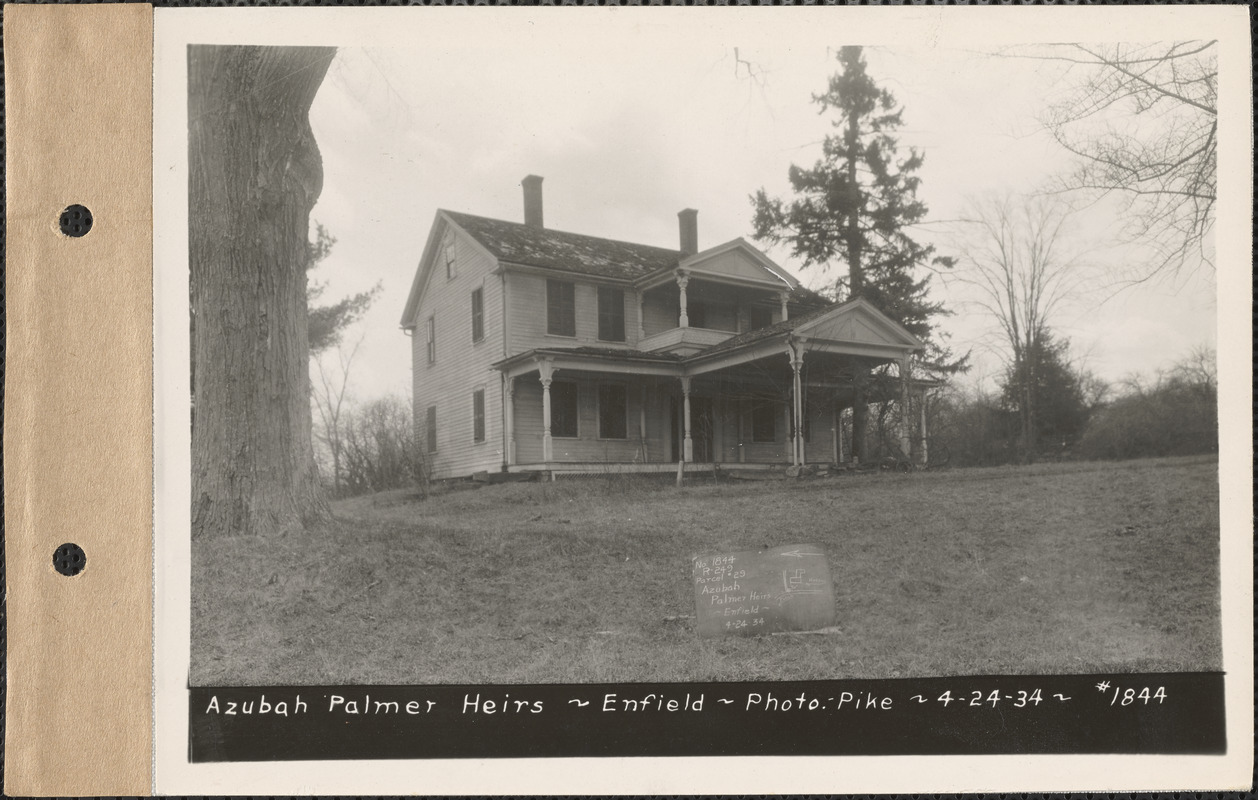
x=771 y=398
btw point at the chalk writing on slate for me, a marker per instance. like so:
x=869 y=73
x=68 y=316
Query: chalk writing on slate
x=762 y=591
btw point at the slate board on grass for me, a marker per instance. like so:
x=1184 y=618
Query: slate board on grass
x=763 y=591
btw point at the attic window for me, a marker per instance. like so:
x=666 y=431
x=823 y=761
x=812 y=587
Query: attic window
x=448 y=247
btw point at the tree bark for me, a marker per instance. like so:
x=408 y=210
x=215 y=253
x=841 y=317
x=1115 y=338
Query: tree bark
x=254 y=174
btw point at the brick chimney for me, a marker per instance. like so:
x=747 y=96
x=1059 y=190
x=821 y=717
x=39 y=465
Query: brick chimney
x=688 y=220
x=533 y=201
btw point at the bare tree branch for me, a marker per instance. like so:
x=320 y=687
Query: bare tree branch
x=1141 y=120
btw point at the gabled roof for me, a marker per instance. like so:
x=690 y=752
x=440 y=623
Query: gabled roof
x=515 y=243
x=699 y=261
x=856 y=321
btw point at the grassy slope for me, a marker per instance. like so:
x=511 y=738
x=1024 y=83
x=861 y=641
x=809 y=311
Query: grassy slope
x=1055 y=568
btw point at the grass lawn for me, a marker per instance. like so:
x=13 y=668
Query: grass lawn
x=1075 y=567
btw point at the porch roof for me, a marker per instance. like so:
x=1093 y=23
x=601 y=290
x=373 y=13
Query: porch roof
x=854 y=328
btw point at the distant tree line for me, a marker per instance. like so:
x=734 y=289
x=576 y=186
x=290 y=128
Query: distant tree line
x=1171 y=413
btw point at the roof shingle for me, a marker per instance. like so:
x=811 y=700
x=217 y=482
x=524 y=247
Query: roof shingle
x=526 y=245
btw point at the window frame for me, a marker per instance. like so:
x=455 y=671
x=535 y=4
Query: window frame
x=557 y=313
x=478 y=314
x=611 y=298
x=576 y=409
x=431 y=333
x=478 y=416
x=624 y=419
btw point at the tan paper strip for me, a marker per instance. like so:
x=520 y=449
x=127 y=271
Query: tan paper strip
x=78 y=399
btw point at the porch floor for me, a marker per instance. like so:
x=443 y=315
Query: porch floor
x=626 y=467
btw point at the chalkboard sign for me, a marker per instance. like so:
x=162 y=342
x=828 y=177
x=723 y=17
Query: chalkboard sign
x=762 y=591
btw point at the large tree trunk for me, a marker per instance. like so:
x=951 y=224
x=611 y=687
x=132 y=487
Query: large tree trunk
x=254 y=174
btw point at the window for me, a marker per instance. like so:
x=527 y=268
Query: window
x=563 y=409
x=431 y=426
x=561 y=315
x=611 y=314
x=759 y=317
x=478 y=415
x=478 y=315
x=764 y=422
x=432 y=340
x=697 y=314
x=449 y=255
x=612 y=411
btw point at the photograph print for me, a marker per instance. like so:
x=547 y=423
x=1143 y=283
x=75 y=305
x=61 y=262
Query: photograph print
x=576 y=355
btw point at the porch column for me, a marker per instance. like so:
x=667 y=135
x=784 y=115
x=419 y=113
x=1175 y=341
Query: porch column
x=796 y=356
x=687 y=449
x=783 y=296
x=641 y=327
x=906 y=442
x=545 y=372
x=683 y=280
x=923 y=454
x=508 y=416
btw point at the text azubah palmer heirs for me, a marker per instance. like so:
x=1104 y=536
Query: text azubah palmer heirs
x=478 y=703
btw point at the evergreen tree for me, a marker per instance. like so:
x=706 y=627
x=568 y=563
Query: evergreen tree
x=854 y=206
x=326 y=323
x=857 y=200
x=1047 y=394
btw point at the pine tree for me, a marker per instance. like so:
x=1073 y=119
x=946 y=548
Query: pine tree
x=855 y=203
x=854 y=206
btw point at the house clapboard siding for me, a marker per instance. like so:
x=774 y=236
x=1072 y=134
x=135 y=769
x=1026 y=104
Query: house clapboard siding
x=462 y=366
x=526 y=307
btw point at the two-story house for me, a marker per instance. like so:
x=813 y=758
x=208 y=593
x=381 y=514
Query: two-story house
x=537 y=349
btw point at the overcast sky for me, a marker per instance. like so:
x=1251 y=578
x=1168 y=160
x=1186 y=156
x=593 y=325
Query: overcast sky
x=625 y=137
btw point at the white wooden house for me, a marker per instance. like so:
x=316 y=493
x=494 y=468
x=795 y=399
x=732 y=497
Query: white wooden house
x=537 y=349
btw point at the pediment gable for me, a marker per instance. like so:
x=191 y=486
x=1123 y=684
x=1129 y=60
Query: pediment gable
x=739 y=262
x=858 y=321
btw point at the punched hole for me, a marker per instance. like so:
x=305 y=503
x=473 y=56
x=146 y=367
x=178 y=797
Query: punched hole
x=76 y=221
x=69 y=559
